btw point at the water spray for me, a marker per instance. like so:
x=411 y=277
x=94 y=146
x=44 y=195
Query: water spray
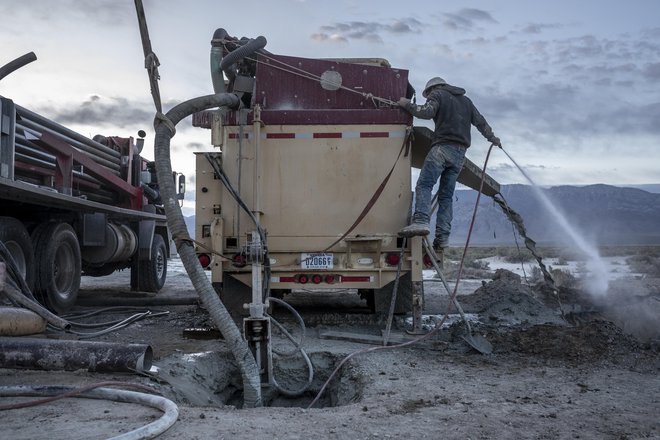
x=598 y=282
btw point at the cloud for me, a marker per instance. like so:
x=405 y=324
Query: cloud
x=563 y=110
x=335 y=38
x=103 y=11
x=651 y=34
x=466 y=19
x=537 y=28
x=370 y=31
x=187 y=147
x=98 y=11
x=652 y=71
x=103 y=112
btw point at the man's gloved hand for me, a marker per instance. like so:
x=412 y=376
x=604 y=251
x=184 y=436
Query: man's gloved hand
x=403 y=102
x=496 y=141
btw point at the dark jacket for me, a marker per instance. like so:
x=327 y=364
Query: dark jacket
x=453 y=114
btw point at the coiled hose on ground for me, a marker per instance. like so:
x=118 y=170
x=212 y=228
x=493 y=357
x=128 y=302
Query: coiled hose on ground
x=149 y=431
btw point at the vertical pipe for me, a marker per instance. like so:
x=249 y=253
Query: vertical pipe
x=256 y=308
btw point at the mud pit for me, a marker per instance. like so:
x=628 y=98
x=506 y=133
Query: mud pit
x=547 y=378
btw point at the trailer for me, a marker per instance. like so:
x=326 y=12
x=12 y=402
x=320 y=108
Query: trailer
x=322 y=157
x=73 y=206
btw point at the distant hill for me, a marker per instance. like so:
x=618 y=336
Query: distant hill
x=650 y=187
x=604 y=214
x=190 y=224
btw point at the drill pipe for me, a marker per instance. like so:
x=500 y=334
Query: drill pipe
x=71 y=355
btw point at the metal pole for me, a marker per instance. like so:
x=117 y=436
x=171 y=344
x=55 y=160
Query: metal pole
x=97 y=155
x=256 y=308
x=47 y=123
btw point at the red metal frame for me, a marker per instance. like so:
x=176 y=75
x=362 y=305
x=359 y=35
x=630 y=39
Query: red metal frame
x=304 y=102
x=66 y=156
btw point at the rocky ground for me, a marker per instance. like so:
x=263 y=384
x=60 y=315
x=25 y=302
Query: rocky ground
x=555 y=372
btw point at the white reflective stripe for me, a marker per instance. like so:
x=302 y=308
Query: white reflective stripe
x=343 y=135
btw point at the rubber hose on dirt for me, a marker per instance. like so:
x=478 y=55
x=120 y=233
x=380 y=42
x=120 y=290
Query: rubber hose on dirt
x=176 y=223
x=149 y=431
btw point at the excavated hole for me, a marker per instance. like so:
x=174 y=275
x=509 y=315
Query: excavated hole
x=213 y=379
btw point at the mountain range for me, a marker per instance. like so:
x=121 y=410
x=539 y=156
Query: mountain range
x=601 y=214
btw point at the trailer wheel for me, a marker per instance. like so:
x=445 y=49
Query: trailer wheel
x=381 y=299
x=153 y=272
x=19 y=244
x=233 y=295
x=58 y=265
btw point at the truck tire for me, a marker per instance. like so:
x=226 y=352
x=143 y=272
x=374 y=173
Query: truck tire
x=382 y=298
x=19 y=244
x=153 y=272
x=58 y=265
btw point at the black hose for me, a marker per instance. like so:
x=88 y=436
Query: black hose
x=216 y=58
x=177 y=226
x=246 y=50
x=14 y=273
x=17 y=64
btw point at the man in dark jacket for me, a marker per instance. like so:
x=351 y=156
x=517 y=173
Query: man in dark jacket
x=453 y=114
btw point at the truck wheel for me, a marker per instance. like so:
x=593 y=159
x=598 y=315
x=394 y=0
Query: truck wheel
x=153 y=272
x=382 y=298
x=19 y=244
x=58 y=265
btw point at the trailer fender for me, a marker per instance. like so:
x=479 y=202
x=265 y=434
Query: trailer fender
x=146 y=231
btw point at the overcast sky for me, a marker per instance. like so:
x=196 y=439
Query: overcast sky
x=571 y=87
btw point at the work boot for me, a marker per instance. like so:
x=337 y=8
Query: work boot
x=415 y=229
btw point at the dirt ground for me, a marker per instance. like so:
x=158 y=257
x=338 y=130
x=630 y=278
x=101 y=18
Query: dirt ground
x=555 y=373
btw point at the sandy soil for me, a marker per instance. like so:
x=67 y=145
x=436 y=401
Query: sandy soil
x=553 y=374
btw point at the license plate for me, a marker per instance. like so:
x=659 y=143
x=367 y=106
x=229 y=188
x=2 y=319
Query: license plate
x=317 y=261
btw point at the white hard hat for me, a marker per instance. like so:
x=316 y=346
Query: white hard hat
x=435 y=81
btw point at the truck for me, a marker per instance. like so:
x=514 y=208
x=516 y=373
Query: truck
x=73 y=206
x=322 y=155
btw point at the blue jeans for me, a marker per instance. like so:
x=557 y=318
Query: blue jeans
x=444 y=161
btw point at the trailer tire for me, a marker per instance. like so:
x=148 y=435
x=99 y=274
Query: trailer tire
x=19 y=244
x=234 y=294
x=58 y=265
x=382 y=298
x=153 y=272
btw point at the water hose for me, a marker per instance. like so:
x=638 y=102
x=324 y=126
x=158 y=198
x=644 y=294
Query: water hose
x=184 y=244
x=298 y=348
